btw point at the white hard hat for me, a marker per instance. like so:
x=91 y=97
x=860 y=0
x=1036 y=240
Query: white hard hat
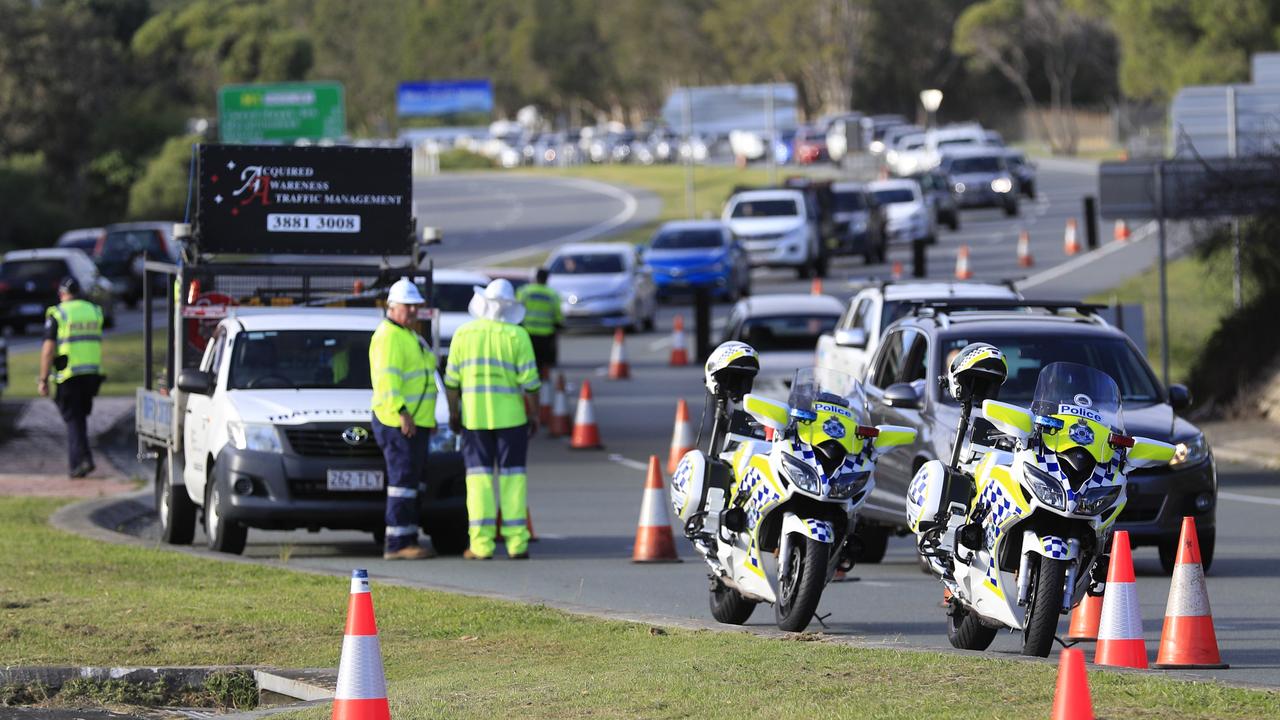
x=497 y=302
x=404 y=292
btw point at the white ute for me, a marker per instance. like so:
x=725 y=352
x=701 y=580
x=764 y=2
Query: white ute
x=777 y=227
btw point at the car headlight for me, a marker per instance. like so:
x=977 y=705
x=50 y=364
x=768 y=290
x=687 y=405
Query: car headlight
x=1097 y=500
x=1189 y=452
x=804 y=476
x=1002 y=184
x=1045 y=486
x=859 y=226
x=959 y=187
x=846 y=485
x=261 y=437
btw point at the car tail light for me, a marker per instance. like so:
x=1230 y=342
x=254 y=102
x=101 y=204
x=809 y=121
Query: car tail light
x=100 y=246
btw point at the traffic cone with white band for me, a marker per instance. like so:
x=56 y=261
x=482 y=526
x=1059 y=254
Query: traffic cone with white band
x=654 y=540
x=586 y=436
x=1070 y=239
x=897 y=270
x=362 y=687
x=1188 y=639
x=681 y=436
x=1120 y=642
x=815 y=288
x=679 y=352
x=560 y=424
x=1024 y=250
x=1121 y=232
x=1071 y=700
x=962 y=264
x=619 y=368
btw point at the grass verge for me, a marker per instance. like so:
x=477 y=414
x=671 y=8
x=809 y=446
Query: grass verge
x=71 y=600
x=122 y=361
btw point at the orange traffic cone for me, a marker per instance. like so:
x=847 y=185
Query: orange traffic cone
x=586 y=436
x=1070 y=239
x=681 y=437
x=1188 y=639
x=1121 y=232
x=619 y=369
x=654 y=541
x=679 y=353
x=1071 y=701
x=897 y=269
x=545 y=398
x=962 y=264
x=362 y=687
x=1085 y=619
x=1024 y=250
x=560 y=424
x=1120 y=642
x=815 y=288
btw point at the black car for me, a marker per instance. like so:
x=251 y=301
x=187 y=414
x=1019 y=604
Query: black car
x=1023 y=170
x=859 y=223
x=902 y=389
x=940 y=196
x=29 y=282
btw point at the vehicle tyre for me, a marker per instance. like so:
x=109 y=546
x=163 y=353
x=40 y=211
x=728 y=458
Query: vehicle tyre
x=966 y=631
x=953 y=221
x=873 y=541
x=728 y=606
x=801 y=589
x=820 y=266
x=1029 y=189
x=1169 y=551
x=109 y=315
x=1044 y=606
x=649 y=323
x=803 y=271
x=450 y=539
x=1011 y=209
x=379 y=536
x=173 y=505
x=222 y=535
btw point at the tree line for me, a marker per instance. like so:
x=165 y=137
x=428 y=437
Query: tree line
x=97 y=97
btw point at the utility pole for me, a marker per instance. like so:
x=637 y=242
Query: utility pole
x=1233 y=149
x=689 y=200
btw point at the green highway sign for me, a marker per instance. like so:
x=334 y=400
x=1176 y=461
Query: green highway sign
x=281 y=112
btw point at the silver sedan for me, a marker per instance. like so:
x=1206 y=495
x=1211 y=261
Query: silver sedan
x=603 y=285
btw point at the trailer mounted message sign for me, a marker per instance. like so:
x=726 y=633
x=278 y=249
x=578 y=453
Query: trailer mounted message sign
x=273 y=199
x=281 y=112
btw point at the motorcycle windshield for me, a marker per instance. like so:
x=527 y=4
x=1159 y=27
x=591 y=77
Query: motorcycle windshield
x=828 y=405
x=1086 y=402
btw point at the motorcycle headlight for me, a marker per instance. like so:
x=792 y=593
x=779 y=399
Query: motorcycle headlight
x=1045 y=486
x=1002 y=184
x=261 y=437
x=1190 y=452
x=804 y=476
x=1097 y=500
x=846 y=485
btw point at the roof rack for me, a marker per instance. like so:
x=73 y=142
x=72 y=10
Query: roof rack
x=943 y=308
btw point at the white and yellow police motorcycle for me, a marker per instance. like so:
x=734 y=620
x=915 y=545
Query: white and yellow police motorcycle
x=1018 y=535
x=778 y=480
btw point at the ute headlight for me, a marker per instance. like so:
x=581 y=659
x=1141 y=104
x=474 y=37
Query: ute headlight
x=1045 y=486
x=1002 y=184
x=261 y=437
x=1189 y=452
x=1097 y=500
x=847 y=484
x=803 y=475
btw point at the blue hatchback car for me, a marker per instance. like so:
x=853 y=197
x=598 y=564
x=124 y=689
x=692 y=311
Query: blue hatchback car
x=686 y=255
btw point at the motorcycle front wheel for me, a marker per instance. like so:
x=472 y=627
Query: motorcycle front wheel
x=801 y=588
x=728 y=606
x=1044 y=606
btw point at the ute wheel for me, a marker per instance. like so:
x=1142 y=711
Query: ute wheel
x=874 y=541
x=728 y=606
x=1044 y=606
x=1011 y=209
x=1169 y=551
x=954 y=222
x=379 y=536
x=450 y=540
x=223 y=535
x=966 y=631
x=173 y=505
x=801 y=589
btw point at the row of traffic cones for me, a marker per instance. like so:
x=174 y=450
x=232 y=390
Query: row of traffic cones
x=1070 y=246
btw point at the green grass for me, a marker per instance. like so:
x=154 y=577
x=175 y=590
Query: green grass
x=122 y=361
x=1200 y=296
x=64 y=599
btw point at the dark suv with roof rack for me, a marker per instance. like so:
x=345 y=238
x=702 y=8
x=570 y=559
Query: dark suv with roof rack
x=902 y=389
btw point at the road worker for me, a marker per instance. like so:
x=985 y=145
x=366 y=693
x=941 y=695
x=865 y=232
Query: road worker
x=492 y=382
x=72 y=354
x=403 y=368
x=542 y=320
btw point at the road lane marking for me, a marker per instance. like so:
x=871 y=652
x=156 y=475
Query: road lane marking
x=628 y=462
x=1238 y=497
x=1086 y=258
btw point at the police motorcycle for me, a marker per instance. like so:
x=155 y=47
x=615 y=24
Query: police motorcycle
x=780 y=480
x=1018 y=528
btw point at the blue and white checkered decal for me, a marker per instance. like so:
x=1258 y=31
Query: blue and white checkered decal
x=820 y=530
x=1000 y=507
x=1055 y=547
x=1103 y=474
x=759 y=496
x=916 y=491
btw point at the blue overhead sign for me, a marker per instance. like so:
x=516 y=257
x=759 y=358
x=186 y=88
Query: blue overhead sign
x=444 y=97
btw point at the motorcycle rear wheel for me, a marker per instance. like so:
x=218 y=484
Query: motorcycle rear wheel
x=728 y=606
x=1044 y=607
x=966 y=632
x=800 y=591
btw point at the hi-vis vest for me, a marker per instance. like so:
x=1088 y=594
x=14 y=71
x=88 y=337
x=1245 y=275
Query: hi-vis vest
x=541 y=308
x=492 y=363
x=403 y=370
x=79 y=338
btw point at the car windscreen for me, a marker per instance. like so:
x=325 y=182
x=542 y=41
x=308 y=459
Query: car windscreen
x=1026 y=353
x=896 y=195
x=849 y=201
x=452 y=297
x=961 y=166
x=323 y=359
x=765 y=208
x=37 y=271
x=586 y=264
x=785 y=332
x=687 y=239
x=123 y=244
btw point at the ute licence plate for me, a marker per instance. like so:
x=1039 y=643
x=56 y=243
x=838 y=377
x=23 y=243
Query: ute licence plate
x=355 y=480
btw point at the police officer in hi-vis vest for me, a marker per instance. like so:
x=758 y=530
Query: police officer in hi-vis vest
x=542 y=319
x=72 y=353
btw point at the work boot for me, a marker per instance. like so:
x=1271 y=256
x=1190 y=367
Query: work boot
x=468 y=555
x=412 y=552
x=82 y=470
x=521 y=555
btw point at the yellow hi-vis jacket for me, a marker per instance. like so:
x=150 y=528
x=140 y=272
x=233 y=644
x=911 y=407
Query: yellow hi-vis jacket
x=541 y=308
x=492 y=363
x=79 y=339
x=403 y=371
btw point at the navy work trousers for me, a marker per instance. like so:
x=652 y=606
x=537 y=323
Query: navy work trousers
x=74 y=398
x=406 y=473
